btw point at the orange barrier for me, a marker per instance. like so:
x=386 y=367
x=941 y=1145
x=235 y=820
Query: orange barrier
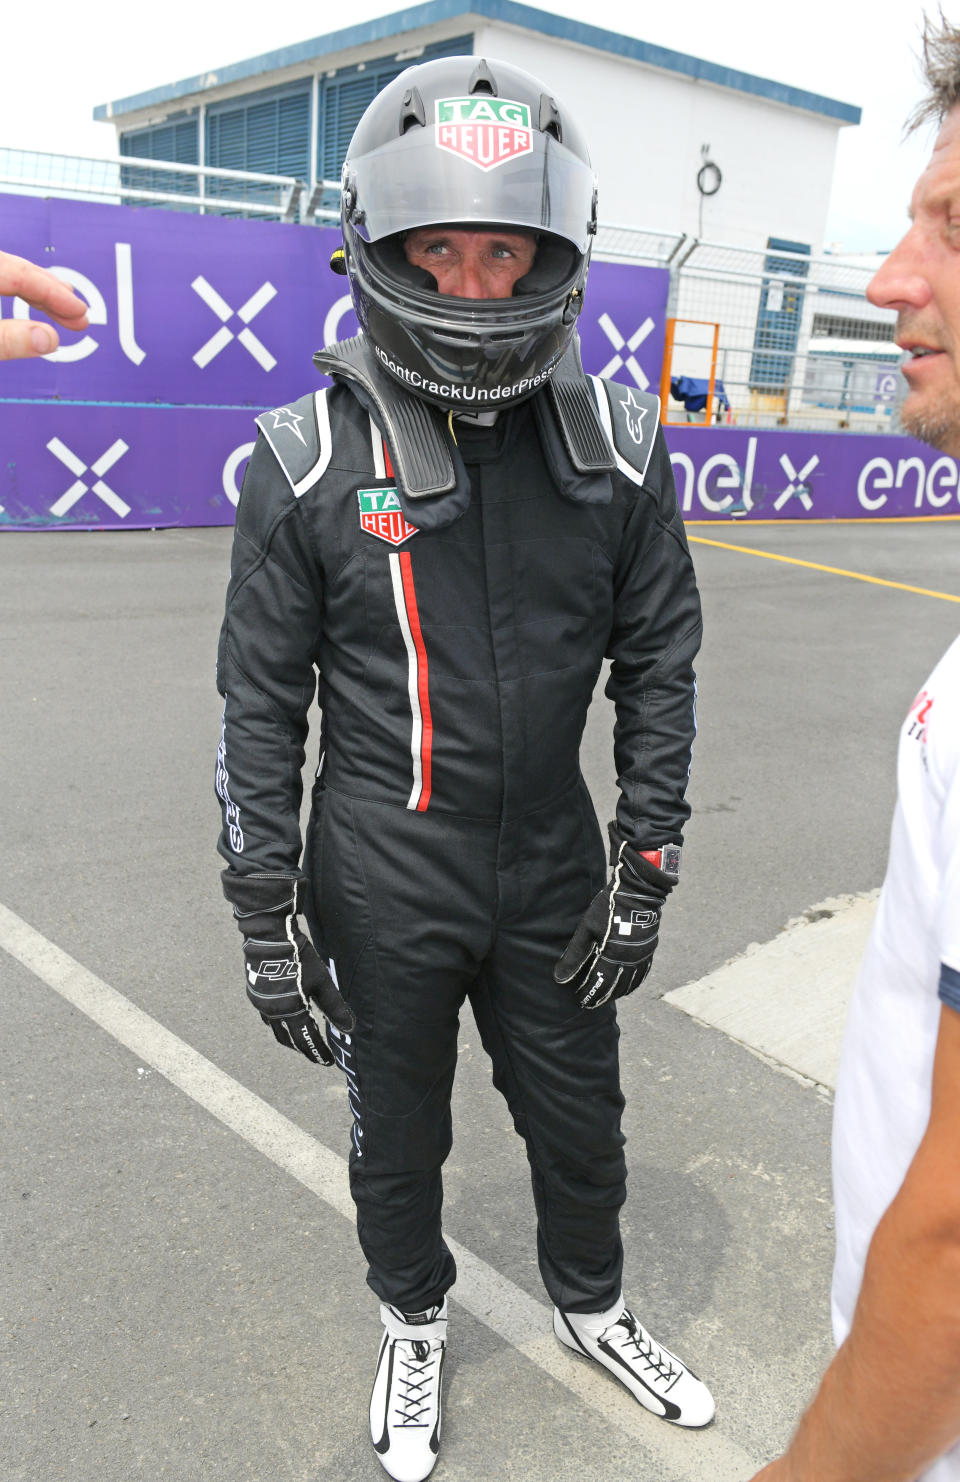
x=667 y=367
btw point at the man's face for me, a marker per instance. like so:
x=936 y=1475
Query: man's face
x=483 y=264
x=921 y=280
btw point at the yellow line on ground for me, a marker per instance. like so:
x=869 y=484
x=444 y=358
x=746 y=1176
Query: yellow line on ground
x=831 y=520
x=878 y=581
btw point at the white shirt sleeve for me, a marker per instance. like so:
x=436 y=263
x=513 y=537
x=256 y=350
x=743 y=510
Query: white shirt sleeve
x=944 y=760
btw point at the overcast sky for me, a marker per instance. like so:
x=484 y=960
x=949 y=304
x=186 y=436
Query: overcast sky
x=60 y=60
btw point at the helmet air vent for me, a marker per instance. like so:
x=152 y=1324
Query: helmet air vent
x=412 y=110
x=483 y=80
x=550 y=117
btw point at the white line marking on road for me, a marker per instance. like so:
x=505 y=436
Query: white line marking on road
x=491 y=1298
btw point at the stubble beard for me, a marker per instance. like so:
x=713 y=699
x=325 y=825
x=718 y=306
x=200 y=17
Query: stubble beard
x=936 y=422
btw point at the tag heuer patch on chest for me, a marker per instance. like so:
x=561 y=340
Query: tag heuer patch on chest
x=381 y=515
x=486 y=131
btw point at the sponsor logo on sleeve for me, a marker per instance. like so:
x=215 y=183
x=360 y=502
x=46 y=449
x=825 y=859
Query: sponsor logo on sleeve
x=635 y=414
x=916 y=721
x=284 y=418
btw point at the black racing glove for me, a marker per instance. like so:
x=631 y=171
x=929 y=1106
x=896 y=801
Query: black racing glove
x=287 y=981
x=611 y=951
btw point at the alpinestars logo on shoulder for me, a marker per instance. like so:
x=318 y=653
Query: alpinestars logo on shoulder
x=483 y=130
x=381 y=515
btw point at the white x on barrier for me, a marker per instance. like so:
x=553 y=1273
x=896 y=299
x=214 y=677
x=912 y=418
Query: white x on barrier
x=619 y=343
x=796 y=484
x=223 y=311
x=77 y=490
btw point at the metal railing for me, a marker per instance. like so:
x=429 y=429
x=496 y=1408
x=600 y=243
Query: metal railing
x=130 y=179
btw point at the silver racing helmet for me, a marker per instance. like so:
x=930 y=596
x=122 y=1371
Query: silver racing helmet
x=465 y=142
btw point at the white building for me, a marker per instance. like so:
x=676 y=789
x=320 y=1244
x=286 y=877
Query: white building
x=652 y=116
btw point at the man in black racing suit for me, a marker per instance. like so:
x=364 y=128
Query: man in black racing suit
x=454 y=536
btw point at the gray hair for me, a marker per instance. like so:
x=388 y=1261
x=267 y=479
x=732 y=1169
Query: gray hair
x=941 y=68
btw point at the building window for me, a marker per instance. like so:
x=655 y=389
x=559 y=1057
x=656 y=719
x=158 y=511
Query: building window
x=778 y=317
x=840 y=327
x=269 y=132
x=176 y=140
x=265 y=132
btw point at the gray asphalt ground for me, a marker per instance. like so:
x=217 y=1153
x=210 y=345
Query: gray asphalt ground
x=174 y=1304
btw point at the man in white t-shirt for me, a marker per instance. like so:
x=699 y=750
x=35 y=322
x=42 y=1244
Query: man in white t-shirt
x=888 y=1408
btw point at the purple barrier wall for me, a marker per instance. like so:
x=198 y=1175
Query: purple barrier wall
x=72 y=467
x=198 y=323
x=134 y=422
x=725 y=473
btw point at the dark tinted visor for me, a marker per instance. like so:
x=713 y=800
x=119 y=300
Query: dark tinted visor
x=485 y=173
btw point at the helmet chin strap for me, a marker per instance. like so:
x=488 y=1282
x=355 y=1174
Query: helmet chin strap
x=485 y=418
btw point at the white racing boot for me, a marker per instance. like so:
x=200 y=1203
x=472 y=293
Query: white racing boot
x=405 y=1405
x=652 y=1374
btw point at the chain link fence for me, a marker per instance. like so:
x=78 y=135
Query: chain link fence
x=798 y=344
x=634 y=244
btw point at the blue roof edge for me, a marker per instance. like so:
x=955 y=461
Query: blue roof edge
x=510 y=12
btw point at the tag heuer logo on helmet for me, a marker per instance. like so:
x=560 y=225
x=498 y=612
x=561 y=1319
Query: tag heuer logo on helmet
x=486 y=131
x=381 y=515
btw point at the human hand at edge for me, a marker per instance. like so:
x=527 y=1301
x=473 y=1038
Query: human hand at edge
x=22 y=339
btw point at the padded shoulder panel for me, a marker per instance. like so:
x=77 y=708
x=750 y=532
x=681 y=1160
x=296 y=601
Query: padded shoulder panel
x=632 y=419
x=415 y=430
x=572 y=397
x=299 y=436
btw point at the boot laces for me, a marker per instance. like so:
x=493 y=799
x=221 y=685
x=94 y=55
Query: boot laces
x=644 y=1350
x=416 y=1361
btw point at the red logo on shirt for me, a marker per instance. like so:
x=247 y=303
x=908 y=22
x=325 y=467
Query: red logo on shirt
x=919 y=710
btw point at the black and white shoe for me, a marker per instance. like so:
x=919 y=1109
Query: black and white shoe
x=405 y=1406
x=652 y=1374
